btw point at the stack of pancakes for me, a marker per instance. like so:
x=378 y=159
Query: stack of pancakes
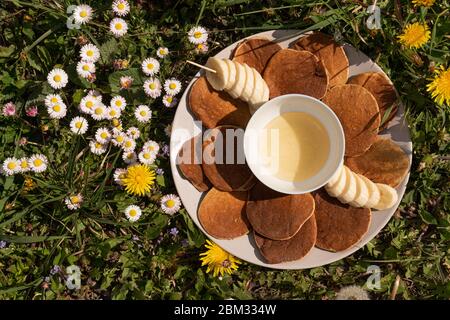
x=287 y=227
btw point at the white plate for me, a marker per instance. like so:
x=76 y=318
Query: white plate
x=243 y=247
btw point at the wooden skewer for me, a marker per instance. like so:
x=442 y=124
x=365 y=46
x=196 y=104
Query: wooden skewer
x=200 y=66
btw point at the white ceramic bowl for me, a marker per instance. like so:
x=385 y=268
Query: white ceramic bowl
x=294 y=103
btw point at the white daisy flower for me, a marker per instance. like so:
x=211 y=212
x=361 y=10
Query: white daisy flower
x=82 y=14
x=88 y=103
x=126 y=82
x=169 y=101
x=74 y=202
x=147 y=157
x=121 y=7
x=152 y=87
x=133 y=213
x=57 y=78
x=57 y=111
x=24 y=165
x=85 y=68
x=128 y=144
x=172 y=86
x=99 y=112
x=197 y=35
x=112 y=112
x=11 y=166
x=79 y=125
x=202 y=48
x=38 y=163
x=168 y=130
x=129 y=157
x=52 y=99
x=118 y=102
x=119 y=174
x=97 y=147
x=151 y=146
x=162 y=52
x=119 y=139
x=133 y=132
x=170 y=204
x=143 y=113
x=89 y=52
x=118 y=27
x=150 y=66
x=102 y=135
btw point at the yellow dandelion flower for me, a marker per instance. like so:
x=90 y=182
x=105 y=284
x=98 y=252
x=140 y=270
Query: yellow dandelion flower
x=139 y=179
x=415 y=35
x=218 y=260
x=423 y=3
x=440 y=86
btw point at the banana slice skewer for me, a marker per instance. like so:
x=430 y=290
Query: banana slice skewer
x=358 y=191
x=239 y=80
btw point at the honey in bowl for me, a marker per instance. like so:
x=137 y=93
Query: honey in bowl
x=294 y=146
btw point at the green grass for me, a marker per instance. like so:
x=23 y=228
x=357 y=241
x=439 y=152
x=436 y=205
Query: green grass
x=41 y=232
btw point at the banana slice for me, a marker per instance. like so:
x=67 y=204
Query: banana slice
x=374 y=193
x=239 y=85
x=257 y=97
x=249 y=83
x=362 y=192
x=349 y=192
x=336 y=189
x=219 y=79
x=388 y=197
x=231 y=74
x=335 y=177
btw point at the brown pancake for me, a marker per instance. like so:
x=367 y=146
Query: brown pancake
x=234 y=175
x=293 y=71
x=222 y=214
x=256 y=52
x=277 y=251
x=330 y=52
x=358 y=112
x=383 y=91
x=339 y=226
x=216 y=108
x=275 y=215
x=189 y=161
x=385 y=162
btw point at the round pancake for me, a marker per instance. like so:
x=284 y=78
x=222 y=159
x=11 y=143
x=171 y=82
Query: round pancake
x=222 y=214
x=189 y=161
x=330 y=52
x=383 y=91
x=216 y=108
x=256 y=52
x=385 y=162
x=339 y=226
x=226 y=174
x=293 y=71
x=275 y=215
x=358 y=112
x=277 y=251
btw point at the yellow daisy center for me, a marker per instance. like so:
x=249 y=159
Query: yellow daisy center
x=54 y=100
x=170 y=203
x=104 y=135
x=118 y=26
x=197 y=34
x=200 y=46
x=57 y=108
x=119 y=139
x=118 y=103
x=11 y=166
x=89 y=53
x=121 y=6
x=169 y=99
x=115 y=122
x=83 y=14
x=86 y=67
x=24 y=164
x=89 y=104
x=37 y=162
x=143 y=113
x=112 y=113
x=98 y=111
x=79 y=124
x=75 y=199
x=146 y=156
x=57 y=78
x=152 y=86
x=150 y=66
x=172 y=86
x=128 y=144
x=151 y=148
x=98 y=145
